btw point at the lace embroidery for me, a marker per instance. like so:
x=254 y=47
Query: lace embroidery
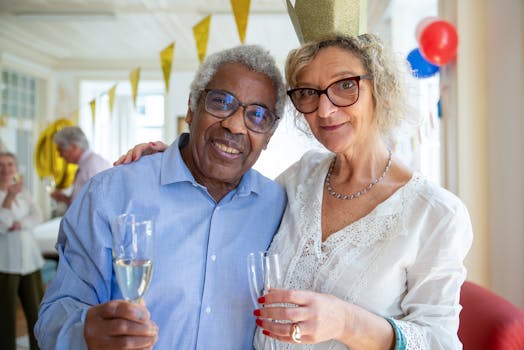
x=313 y=255
x=339 y=252
x=414 y=338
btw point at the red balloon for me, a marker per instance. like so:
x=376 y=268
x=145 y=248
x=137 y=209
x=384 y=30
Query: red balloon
x=438 y=42
x=422 y=24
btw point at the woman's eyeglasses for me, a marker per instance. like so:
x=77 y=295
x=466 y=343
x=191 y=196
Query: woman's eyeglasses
x=342 y=93
x=222 y=104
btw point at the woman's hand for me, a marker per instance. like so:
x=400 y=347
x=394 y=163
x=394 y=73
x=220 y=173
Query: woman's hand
x=142 y=149
x=320 y=317
x=15 y=226
x=15 y=188
x=12 y=190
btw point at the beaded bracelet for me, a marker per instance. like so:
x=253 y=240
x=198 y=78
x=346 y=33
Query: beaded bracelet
x=400 y=341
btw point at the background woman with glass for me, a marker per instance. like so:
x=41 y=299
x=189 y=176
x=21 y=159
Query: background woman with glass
x=20 y=257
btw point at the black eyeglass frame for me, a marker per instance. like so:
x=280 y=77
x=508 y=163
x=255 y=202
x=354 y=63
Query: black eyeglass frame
x=240 y=104
x=319 y=93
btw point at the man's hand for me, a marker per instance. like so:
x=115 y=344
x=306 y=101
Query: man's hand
x=60 y=196
x=119 y=324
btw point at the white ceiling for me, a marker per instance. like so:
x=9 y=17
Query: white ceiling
x=105 y=34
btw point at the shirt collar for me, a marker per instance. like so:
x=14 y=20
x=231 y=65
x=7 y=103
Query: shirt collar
x=86 y=154
x=174 y=169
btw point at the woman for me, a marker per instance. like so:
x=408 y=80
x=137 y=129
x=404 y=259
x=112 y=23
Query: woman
x=372 y=253
x=20 y=258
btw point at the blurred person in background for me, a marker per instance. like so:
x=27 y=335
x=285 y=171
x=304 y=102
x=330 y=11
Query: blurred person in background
x=73 y=146
x=20 y=257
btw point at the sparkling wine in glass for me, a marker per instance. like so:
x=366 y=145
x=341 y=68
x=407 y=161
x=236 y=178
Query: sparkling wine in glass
x=264 y=273
x=132 y=255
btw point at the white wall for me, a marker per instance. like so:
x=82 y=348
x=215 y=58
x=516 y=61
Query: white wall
x=482 y=100
x=505 y=124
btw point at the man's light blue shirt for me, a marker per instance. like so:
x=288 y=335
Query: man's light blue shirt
x=199 y=293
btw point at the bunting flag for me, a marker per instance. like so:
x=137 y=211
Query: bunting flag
x=92 y=104
x=75 y=117
x=166 y=61
x=134 y=77
x=241 y=12
x=111 y=94
x=294 y=20
x=201 y=34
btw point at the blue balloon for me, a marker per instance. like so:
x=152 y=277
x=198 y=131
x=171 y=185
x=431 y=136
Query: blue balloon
x=421 y=68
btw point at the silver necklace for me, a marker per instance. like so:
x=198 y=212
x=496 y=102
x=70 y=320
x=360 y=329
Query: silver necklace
x=362 y=191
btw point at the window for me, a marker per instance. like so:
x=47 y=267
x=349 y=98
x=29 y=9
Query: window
x=112 y=134
x=18 y=95
x=19 y=106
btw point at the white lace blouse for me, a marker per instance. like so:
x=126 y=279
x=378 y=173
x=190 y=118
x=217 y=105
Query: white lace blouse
x=403 y=260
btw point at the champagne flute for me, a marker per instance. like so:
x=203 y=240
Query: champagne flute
x=49 y=183
x=264 y=273
x=132 y=255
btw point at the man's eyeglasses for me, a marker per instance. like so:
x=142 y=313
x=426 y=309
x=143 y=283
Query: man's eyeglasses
x=342 y=93
x=222 y=104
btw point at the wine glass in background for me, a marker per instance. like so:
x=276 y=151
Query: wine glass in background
x=264 y=273
x=19 y=176
x=132 y=255
x=49 y=183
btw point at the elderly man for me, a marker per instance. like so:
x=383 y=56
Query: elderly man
x=211 y=210
x=73 y=146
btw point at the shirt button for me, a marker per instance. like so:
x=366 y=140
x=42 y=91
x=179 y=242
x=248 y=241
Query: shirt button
x=213 y=257
x=208 y=310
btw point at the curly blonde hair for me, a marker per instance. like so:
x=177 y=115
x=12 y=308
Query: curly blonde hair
x=388 y=73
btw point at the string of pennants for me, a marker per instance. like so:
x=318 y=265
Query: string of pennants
x=201 y=37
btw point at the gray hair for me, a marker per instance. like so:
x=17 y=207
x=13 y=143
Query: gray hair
x=70 y=135
x=252 y=56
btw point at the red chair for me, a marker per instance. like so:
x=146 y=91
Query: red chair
x=488 y=321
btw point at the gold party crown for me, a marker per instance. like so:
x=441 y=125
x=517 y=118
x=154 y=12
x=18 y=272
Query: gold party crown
x=313 y=19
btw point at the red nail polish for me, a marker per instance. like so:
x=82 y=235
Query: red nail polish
x=256 y=312
x=261 y=300
x=265 y=332
x=259 y=322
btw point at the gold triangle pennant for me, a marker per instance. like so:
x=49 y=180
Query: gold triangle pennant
x=75 y=117
x=92 y=104
x=3 y=121
x=166 y=61
x=201 y=34
x=294 y=21
x=111 y=93
x=241 y=12
x=134 y=77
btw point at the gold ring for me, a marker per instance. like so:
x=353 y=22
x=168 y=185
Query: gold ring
x=296 y=334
